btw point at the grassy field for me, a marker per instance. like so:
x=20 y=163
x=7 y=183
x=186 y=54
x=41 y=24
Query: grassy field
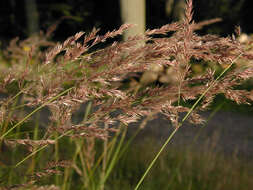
x=179 y=167
x=182 y=168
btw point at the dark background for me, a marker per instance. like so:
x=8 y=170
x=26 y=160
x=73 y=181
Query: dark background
x=86 y=14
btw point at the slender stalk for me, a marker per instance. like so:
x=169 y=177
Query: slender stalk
x=180 y=124
x=156 y=157
x=41 y=148
x=114 y=158
x=105 y=147
x=34 y=111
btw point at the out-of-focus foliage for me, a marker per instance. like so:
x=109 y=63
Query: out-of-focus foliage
x=78 y=16
x=84 y=15
x=229 y=10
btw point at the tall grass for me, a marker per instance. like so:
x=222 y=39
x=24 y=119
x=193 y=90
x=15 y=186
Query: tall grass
x=181 y=167
x=62 y=77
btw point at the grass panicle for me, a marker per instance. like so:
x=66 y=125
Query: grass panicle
x=87 y=89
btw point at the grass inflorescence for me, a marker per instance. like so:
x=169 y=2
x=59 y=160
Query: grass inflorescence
x=76 y=75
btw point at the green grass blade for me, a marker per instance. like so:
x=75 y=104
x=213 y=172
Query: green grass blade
x=114 y=158
x=185 y=117
x=34 y=111
x=41 y=148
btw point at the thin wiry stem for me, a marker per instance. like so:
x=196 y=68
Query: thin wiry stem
x=41 y=148
x=34 y=111
x=180 y=124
